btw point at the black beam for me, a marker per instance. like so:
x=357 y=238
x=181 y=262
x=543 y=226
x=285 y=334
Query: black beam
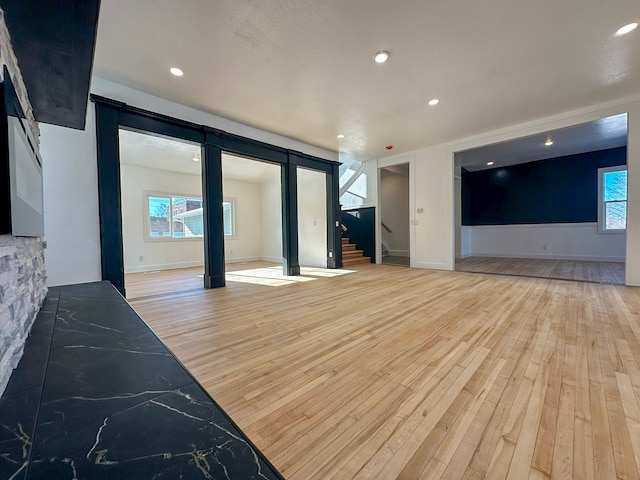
x=108 y=153
x=246 y=147
x=214 y=271
x=289 y=183
x=54 y=43
x=334 y=232
x=312 y=163
x=157 y=126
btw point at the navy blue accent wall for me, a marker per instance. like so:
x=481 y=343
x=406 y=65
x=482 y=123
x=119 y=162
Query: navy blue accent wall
x=558 y=190
x=361 y=225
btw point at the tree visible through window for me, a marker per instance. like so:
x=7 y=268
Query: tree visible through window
x=613 y=199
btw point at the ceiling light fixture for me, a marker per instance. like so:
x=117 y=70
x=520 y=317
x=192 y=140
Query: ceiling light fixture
x=340 y=136
x=176 y=71
x=626 y=29
x=434 y=102
x=195 y=159
x=489 y=163
x=548 y=143
x=381 y=57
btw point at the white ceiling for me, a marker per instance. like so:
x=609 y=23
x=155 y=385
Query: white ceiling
x=304 y=69
x=605 y=133
x=148 y=151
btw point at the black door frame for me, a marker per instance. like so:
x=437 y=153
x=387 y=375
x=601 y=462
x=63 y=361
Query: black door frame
x=111 y=115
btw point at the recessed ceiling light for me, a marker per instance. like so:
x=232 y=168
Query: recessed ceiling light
x=340 y=136
x=381 y=56
x=489 y=163
x=434 y=102
x=195 y=159
x=627 y=28
x=176 y=71
x=548 y=143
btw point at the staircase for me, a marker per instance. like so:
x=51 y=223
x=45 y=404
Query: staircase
x=351 y=256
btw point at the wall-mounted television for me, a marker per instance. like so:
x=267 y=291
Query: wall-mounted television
x=21 y=200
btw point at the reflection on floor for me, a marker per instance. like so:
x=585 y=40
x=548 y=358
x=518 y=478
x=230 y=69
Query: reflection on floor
x=182 y=280
x=395 y=260
x=598 y=272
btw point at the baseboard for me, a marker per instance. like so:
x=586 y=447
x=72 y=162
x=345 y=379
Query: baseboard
x=551 y=256
x=165 y=266
x=241 y=259
x=271 y=259
x=432 y=266
x=399 y=253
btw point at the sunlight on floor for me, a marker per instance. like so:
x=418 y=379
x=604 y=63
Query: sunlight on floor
x=273 y=276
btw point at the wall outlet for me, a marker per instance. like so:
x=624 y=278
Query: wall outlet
x=140 y=258
x=544 y=247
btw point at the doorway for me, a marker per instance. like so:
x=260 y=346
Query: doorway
x=395 y=237
x=312 y=218
x=252 y=211
x=162 y=227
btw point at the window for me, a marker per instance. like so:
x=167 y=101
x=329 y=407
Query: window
x=180 y=216
x=612 y=199
x=228 y=213
x=172 y=216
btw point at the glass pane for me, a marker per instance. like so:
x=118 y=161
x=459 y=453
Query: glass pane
x=616 y=216
x=615 y=186
x=187 y=217
x=227 y=211
x=159 y=217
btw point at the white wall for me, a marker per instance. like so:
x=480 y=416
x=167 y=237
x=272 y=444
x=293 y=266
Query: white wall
x=312 y=218
x=632 y=269
x=157 y=254
x=71 y=222
x=271 y=201
x=457 y=192
x=70 y=177
x=570 y=241
x=394 y=213
x=246 y=246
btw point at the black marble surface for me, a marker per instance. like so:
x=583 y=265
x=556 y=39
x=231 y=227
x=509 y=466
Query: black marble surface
x=98 y=396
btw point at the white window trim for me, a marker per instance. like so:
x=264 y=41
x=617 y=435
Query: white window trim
x=234 y=235
x=147 y=216
x=602 y=204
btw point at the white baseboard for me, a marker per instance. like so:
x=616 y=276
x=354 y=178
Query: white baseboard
x=399 y=253
x=271 y=259
x=551 y=256
x=432 y=266
x=241 y=259
x=164 y=266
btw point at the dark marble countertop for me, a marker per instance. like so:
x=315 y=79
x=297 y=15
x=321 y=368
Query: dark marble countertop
x=98 y=396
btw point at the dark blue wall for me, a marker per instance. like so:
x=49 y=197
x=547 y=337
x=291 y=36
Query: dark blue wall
x=361 y=225
x=558 y=190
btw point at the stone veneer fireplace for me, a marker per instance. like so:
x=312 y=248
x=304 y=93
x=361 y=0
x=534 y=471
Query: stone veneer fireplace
x=22 y=273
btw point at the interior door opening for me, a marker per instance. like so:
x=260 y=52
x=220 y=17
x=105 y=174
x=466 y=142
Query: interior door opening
x=395 y=237
x=162 y=228
x=252 y=211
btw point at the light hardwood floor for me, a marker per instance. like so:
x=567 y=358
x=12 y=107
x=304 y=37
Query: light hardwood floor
x=396 y=373
x=162 y=282
x=599 y=272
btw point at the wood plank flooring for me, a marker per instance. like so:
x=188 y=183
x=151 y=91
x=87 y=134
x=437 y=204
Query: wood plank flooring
x=599 y=272
x=162 y=282
x=397 y=373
